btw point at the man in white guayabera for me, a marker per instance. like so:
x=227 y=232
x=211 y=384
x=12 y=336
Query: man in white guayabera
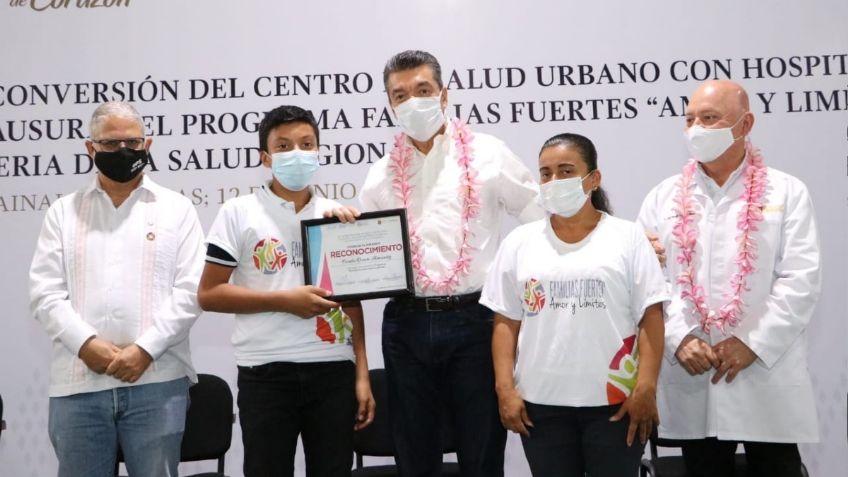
x=114 y=282
x=745 y=278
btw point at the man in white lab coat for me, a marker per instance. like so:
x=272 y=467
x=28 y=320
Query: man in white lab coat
x=743 y=264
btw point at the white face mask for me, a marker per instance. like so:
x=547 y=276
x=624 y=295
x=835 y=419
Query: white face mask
x=421 y=118
x=564 y=197
x=706 y=145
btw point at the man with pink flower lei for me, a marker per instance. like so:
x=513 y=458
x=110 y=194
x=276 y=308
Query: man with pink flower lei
x=456 y=186
x=744 y=271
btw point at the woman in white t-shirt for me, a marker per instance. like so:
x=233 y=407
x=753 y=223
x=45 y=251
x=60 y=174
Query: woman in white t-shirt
x=579 y=294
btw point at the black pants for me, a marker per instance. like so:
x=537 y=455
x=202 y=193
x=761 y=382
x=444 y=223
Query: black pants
x=714 y=458
x=440 y=363
x=570 y=441
x=279 y=401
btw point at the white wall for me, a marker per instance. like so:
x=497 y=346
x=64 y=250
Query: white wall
x=184 y=41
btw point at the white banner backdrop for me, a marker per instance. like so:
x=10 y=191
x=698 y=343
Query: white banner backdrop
x=204 y=72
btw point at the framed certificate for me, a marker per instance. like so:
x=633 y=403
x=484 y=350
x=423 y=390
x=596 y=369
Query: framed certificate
x=366 y=259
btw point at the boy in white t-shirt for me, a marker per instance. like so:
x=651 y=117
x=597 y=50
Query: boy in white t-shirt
x=579 y=294
x=302 y=369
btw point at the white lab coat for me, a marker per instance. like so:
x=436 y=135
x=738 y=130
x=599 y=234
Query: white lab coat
x=771 y=400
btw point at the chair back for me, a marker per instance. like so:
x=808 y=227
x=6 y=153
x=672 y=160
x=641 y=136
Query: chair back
x=209 y=421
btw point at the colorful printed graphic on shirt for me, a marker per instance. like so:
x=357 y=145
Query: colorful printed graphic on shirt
x=335 y=327
x=269 y=256
x=534 y=297
x=622 y=372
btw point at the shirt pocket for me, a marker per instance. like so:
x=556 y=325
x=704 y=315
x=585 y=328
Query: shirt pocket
x=769 y=236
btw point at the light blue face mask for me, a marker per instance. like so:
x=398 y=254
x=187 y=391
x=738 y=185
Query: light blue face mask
x=294 y=169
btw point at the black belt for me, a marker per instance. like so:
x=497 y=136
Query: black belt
x=438 y=303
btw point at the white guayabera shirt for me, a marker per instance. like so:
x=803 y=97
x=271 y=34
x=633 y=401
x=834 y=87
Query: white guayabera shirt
x=506 y=187
x=126 y=274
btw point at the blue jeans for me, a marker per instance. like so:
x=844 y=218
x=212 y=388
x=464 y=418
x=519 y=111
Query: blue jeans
x=573 y=441
x=146 y=420
x=441 y=362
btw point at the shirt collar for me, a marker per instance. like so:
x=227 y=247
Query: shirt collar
x=268 y=196
x=441 y=143
x=146 y=184
x=710 y=185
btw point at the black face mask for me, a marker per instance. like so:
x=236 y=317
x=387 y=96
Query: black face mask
x=122 y=165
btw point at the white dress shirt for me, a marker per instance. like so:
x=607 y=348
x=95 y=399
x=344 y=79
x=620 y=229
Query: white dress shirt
x=127 y=275
x=772 y=399
x=506 y=186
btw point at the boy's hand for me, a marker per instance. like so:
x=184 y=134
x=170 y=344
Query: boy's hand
x=367 y=406
x=306 y=301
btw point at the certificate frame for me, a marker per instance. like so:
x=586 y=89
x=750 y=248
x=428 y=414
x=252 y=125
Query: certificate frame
x=318 y=265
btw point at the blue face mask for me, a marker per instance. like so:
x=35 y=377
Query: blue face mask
x=294 y=169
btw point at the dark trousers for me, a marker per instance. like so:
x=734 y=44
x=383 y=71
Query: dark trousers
x=712 y=457
x=573 y=441
x=279 y=401
x=441 y=363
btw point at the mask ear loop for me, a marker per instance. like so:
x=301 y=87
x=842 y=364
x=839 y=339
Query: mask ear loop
x=737 y=122
x=587 y=175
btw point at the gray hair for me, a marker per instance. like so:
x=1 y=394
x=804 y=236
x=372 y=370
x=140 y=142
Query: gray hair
x=113 y=109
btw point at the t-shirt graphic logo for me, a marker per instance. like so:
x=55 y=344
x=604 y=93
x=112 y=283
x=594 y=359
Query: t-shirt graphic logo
x=622 y=372
x=534 y=297
x=269 y=256
x=334 y=327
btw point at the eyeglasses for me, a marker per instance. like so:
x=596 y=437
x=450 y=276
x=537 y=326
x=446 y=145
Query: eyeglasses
x=115 y=144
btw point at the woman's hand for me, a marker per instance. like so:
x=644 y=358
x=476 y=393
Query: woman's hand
x=513 y=412
x=641 y=406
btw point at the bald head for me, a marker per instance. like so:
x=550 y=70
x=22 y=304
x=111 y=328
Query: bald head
x=720 y=104
x=726 y=92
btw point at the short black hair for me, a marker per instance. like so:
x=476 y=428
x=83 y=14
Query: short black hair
x=284 y=115
x=409 y=60
x=586 y=149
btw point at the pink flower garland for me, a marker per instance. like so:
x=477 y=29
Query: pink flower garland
x=399 y=162
x=686 y=237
